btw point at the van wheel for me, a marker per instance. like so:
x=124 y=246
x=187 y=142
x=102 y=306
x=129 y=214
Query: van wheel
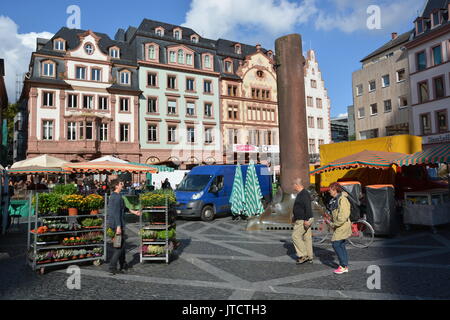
x=208 y=214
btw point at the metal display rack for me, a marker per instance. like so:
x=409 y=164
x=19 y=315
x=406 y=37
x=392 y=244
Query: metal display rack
x=35 y=247
x=158 y=225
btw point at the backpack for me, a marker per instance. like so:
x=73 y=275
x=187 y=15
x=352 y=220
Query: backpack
x=355 y=209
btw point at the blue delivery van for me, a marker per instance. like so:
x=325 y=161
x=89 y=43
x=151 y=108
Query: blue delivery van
x=206 y=190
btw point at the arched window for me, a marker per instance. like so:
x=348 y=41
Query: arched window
x=151 y=52
x=180 y=56
x=177 y=35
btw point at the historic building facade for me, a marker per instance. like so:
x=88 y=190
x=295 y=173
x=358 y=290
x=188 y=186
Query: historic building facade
x=381 y=91
x=318 y=107
x=179 y=109
x=429 y=63
x=82 y=98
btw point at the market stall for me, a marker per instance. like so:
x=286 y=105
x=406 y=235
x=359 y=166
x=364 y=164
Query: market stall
x=427 y=207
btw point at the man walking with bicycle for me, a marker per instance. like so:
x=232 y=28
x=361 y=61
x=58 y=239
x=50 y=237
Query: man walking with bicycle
x=302 y=235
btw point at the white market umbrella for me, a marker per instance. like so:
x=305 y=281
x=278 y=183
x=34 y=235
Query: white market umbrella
x=110 y=159
x=44 y=161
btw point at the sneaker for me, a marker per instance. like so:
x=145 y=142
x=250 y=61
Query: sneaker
x=341 y=270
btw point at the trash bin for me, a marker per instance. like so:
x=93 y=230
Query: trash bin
x=381 y=209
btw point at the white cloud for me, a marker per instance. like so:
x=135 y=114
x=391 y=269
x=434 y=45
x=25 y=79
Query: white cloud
x=255 y=19
x=225 y=19
x=16 y=49
x=343 y=115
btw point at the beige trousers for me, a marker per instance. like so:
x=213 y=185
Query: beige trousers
x=302 y=240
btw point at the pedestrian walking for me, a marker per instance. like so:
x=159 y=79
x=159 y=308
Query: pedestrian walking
x=340 y=210
x=116 y=221
x=166 y=185
x=303 y=218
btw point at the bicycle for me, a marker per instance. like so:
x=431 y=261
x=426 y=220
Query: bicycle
x=362 y=232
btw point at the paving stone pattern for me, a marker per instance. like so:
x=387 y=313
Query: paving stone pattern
x=221 y=261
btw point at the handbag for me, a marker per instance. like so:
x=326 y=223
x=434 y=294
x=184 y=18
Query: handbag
x=117 y=241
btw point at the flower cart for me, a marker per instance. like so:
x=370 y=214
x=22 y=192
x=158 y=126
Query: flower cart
x=60 y=239
x=157 y=228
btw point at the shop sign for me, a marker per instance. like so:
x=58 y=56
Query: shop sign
x=436 y=138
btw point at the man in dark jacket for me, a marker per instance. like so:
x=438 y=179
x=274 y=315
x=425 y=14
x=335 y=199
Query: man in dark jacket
x=303 y=218
x=116 y=221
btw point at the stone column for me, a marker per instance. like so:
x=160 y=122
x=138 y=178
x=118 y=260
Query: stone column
x=293 y=135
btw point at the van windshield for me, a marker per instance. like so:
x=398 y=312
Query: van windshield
x=194 y=183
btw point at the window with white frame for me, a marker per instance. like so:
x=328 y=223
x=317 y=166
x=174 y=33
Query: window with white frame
x=81 y=130
x=194 y=39
x=47 y=130
x=190 y=135
x=159 y=32
x=228 y=66
x=180 y=56
x=208 y=110
x=373 y=109
x=124 y=104
x=207 y=62
x=152 y=79
x=172 y=134
x=190 y=108
x=314 y=84
x=207 y=86
x=385 y=80
x=320 y=123
x=88 y=102
x=208 y=135
x=171 y=107
x=152 y=105
x=359 y=89
x=401 y=75
x=172 y=82
x=152 y=133
x=103 y=103
x=387 y=106
x=177 y=35
x=48 y=69
x=89 y=130
x=190 y=84
x=59 y=45
x=114 y=53
x=172 y=56
x=89 y=49
x=96 y=74
x=48 y=99
x=151 y=52
x=103 y=132
x=124 y=77
x=124 y=132
x=312 y=146
x=372 y=86
x=80 y=73
x=189 y=59
x=237 y=49
x=72 y=101
x=71 y=131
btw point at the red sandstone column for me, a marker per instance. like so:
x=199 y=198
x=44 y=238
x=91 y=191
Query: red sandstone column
x=294 y=156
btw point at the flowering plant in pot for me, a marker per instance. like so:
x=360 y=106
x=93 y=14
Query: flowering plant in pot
x=73 y=202
x=94 y=203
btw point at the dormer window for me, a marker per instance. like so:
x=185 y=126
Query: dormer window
x=177 y=35
x=159 y=31
x=436 y=18
x=125 y=77
x=270 y=54
x=89 y=49
x=48 y=69
x=207 y=62
x=419 y=26
x=194 y=39
x=114 y=52
x=59 y=45
x=237 y=49
x=229 y=66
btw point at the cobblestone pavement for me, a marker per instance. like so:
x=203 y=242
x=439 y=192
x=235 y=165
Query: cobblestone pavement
x=221 y=261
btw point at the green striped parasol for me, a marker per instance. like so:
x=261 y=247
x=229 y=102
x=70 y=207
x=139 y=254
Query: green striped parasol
x=435 y=155
x=237 y=194
x=253 y=195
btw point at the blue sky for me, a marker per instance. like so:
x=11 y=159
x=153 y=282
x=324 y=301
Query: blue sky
x=336 y=29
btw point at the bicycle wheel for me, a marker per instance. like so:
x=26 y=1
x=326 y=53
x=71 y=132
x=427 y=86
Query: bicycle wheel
x=320 y=230
x=363 y=234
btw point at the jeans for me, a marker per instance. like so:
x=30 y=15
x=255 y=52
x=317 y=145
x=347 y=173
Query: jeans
x=341 y=251
x=118 y=255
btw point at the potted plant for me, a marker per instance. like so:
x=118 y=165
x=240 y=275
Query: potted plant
x=55 y=203
x=94 y=203
x=82 y=254
x=73 y=203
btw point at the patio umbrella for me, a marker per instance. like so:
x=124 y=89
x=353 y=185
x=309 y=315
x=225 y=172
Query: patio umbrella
x=253 y=195
x=109 y=158
x=237 y=198
x=37 y=170
x=108 y=167
x=364 y=159
x=436 y=155
x=44 y=161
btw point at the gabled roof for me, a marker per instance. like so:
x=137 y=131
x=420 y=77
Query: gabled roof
x=433 y=5
x=127 y=54
x=401 y=39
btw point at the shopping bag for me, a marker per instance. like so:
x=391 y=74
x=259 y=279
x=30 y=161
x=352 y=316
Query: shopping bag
x=117 y=241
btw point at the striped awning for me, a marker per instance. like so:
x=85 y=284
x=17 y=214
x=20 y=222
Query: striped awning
x=364 y=159
x=109 y=167
x=37 y=170
x=434 y=155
